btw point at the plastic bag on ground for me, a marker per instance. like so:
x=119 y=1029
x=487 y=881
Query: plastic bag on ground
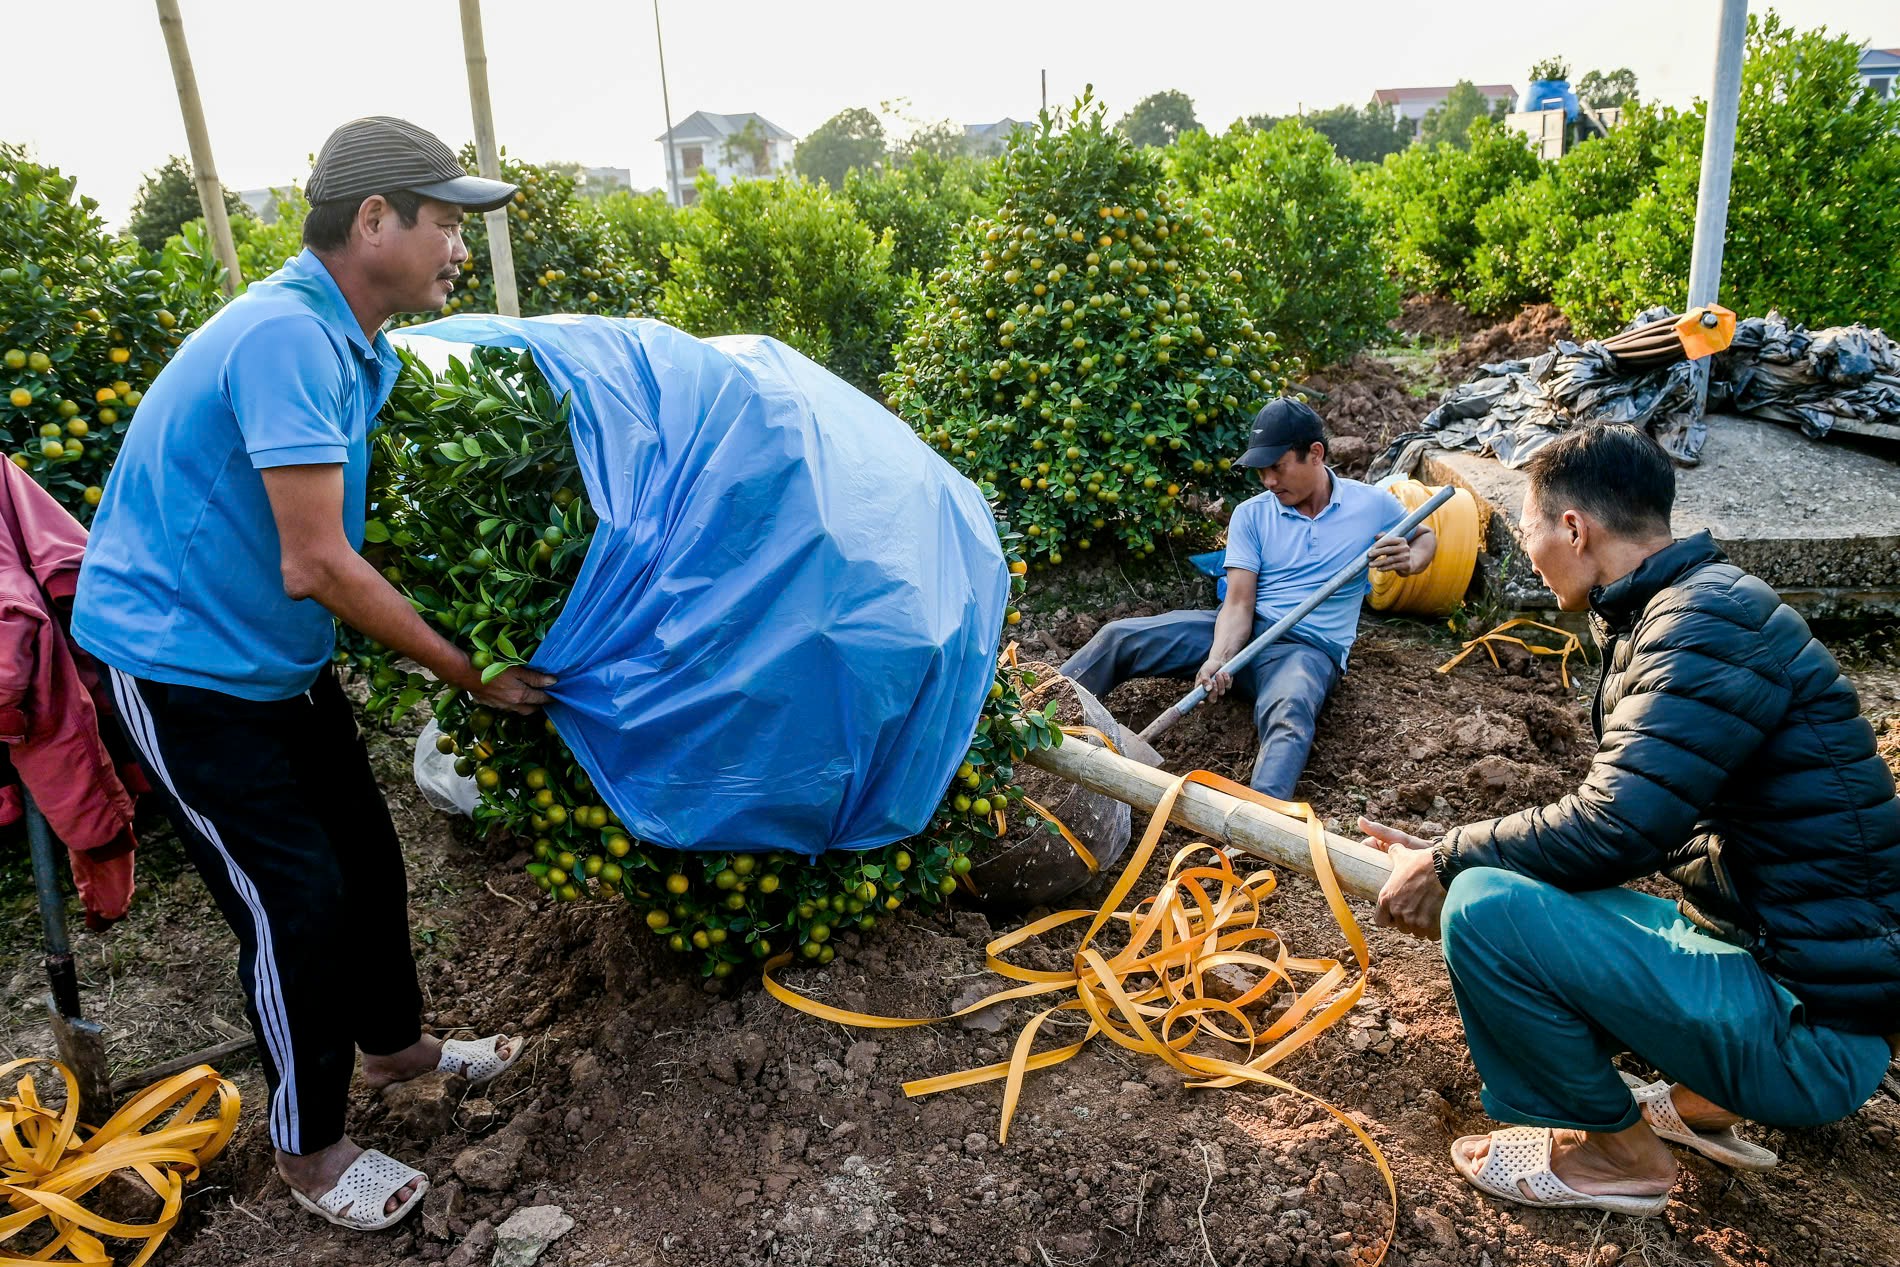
x=1035 y=868
x=436 y=778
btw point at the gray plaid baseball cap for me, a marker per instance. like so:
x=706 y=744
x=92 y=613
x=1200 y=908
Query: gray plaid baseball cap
x=379 y=154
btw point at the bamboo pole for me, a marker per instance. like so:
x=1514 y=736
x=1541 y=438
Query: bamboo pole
x=666 y=104
x=1227 y=820
x=501 y=247
x=198 y=138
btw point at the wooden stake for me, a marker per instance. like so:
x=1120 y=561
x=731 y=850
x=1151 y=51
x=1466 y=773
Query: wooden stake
x=198 y=137
x=144 y=1078
x=501 y=249
x=1227 y=820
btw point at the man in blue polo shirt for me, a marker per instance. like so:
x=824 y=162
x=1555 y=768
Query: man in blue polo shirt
x=1282 y=545
x=223 y=552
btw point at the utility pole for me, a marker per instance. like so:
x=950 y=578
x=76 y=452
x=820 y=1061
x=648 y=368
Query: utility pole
x=666 y=104
x=198 y=137
x=1045 y=89
x=501 y=248
x=1718 y=164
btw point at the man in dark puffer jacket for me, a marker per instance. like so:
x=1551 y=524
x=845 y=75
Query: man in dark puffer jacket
x=1732 y=758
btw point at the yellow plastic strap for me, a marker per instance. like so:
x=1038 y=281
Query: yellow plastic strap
x=1089 y=732
x=1149 y=995
x=1564 y=650
x=51 y=1161
x=1081 y=850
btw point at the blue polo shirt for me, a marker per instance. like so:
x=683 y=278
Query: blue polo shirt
x=183 y=579
x=1294 y=555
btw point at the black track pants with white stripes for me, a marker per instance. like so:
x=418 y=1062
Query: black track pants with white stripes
x=281 y=815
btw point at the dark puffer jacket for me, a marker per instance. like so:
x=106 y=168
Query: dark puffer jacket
x=1732 y=757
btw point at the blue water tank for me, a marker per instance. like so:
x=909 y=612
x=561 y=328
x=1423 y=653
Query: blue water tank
x=1550 y=94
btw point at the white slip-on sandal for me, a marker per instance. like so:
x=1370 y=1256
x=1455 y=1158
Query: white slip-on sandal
x=357 y=1200
x=1725 y=1146
x=1522 y=1153
x=478 y=1059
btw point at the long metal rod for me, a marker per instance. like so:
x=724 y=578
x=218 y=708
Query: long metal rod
x=1718 y=165
x=666 y=104
x=1247 y=654
x=501 y=246
x=198 y=138
x=60 y=973
x=1718 y=156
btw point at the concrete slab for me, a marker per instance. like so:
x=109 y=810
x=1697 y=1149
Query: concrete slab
x=1819 y=521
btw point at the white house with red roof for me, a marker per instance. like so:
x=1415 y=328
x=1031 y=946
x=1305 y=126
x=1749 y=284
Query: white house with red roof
x=1415 y=103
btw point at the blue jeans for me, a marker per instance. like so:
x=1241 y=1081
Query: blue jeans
x=1288 y=682
x=1552 y=984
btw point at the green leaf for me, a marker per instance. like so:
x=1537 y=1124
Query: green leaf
x=452 y=451
x=494 y=671
x=374 y=531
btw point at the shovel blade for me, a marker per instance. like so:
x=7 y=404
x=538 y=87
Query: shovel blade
x=82 y=1049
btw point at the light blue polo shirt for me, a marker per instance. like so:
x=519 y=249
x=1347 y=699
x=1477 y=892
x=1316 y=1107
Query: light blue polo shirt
x=183 y=578
x=1294 y=555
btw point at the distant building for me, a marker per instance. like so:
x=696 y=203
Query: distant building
x=984 y=140
x=716 y=142
x=1880 y=72
x=1416 y=103
x=263 y=202
x=596 y=181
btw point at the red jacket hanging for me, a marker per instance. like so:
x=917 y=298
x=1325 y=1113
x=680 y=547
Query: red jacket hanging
x=54 y=701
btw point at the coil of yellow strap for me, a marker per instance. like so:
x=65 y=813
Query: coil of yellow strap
x=1150 y=996
x=1439 y=589
x=49 y=1161
x=1568 y=645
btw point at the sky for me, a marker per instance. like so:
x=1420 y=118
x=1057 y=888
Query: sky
x=579 y=79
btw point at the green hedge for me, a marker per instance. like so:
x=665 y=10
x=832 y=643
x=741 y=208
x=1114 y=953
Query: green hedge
x=1426 y=200
x=1290 y=224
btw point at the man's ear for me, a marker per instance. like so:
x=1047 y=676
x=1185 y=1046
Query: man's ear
x=1577 y=527
x=371 y=216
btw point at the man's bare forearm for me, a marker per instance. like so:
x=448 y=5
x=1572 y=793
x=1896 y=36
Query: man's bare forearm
x=1231 y=631
x=355 y=593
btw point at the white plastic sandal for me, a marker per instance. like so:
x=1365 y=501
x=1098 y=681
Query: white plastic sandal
x=1522 y=1154
x=478 y=1059
x=360 y=1194
x=1725 y=1146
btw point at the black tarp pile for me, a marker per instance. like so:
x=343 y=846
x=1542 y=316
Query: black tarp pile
x=1772 y=370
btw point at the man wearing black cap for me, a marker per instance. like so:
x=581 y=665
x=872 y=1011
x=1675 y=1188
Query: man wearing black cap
x=223 y=553
x=1282 y=545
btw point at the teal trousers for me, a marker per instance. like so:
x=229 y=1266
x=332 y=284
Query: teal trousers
x=1552 y=984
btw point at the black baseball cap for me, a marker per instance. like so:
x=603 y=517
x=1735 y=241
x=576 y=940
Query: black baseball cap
x=1280 y=425
x=378 y=154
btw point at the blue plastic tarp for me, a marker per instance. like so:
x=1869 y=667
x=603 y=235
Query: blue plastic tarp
x=787 y=620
